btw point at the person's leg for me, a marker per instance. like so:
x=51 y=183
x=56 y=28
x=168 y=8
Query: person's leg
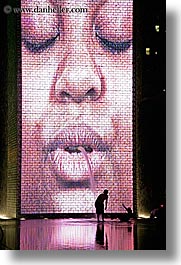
x=98 y=217
x=103 y=216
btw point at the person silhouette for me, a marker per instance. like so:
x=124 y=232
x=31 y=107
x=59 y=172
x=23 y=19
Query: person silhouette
x=99 y=204
x=129 y=213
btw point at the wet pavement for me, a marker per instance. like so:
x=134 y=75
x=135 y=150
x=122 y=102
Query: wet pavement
x=82 y=234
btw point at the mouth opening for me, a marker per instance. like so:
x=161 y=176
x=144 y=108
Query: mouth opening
x=75 y=149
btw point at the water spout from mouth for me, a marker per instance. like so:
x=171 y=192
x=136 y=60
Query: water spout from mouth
x=82 y=150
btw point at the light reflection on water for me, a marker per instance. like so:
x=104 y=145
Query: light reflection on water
x=76 y=234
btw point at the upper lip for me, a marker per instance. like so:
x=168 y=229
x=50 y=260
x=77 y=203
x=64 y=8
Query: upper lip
x=70 y=138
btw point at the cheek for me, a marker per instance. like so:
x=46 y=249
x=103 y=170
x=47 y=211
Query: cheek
x=36 y=84
x=119 y=91
x=31 y=141
x=31 y=151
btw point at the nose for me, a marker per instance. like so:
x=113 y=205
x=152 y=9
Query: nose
x=78 y=78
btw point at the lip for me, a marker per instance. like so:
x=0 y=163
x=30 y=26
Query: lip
x=74 y=137
x=62 y=154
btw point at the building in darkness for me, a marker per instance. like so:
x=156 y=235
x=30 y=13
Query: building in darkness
x=152 y=108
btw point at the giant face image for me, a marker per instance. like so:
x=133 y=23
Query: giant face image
x=76 y=105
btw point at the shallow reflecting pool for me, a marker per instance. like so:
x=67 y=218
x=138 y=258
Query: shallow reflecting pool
x=76 y=234
x=82 y=234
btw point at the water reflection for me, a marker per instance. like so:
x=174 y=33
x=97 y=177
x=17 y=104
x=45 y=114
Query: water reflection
x=100 y=235
x=76 y=234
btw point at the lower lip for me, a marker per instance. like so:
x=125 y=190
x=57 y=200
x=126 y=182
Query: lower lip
x=74 y=167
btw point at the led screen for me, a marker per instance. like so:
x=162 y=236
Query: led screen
x=76 y=98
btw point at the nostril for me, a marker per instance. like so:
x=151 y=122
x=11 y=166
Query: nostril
x=64 y=94
x=91 y=94
x=76 y=96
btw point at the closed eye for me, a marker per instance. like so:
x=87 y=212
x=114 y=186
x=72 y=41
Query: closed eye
x=41 y=46
x=114 y=47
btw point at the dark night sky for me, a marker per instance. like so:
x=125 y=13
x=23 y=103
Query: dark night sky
x=152 y=120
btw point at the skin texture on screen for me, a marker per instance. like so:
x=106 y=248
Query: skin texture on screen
x=76 y=117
